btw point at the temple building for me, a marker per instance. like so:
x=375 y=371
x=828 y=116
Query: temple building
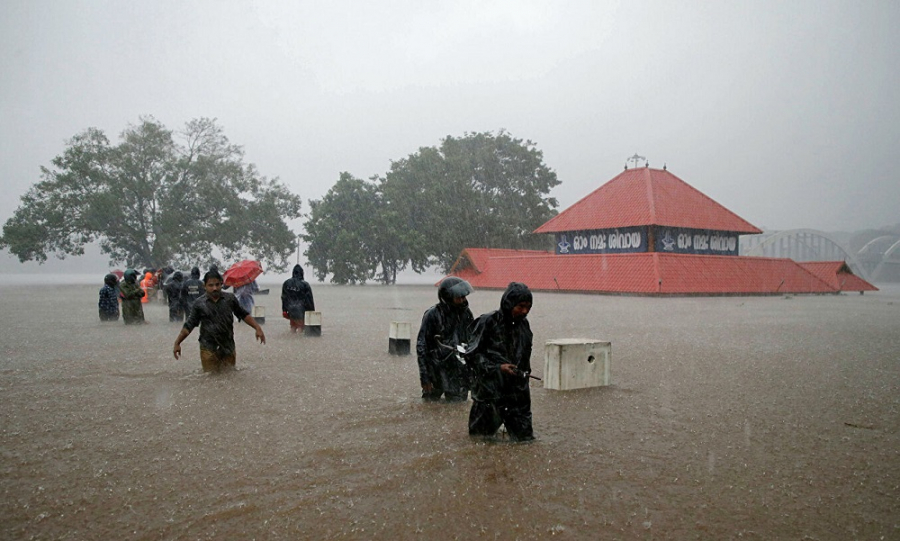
x=647 y=232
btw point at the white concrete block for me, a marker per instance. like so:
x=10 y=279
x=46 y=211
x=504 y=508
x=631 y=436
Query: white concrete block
x=399 y=338
x=576 y=363
x=401 y=330
x=312 y=324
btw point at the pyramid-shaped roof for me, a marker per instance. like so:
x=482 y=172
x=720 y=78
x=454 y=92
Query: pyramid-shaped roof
x=642 y=197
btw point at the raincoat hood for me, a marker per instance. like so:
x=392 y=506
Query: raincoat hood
x=515 y=293
x=452 y=288
x=111 y=280
x=195 y=272
x=177 y=276
x=298 y=272
x=130 y=275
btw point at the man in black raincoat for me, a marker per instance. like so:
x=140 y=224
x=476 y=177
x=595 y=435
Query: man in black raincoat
x=444 y=326
x=296 y=299
x=191 y=289
x=500 y=356
x=173 y=297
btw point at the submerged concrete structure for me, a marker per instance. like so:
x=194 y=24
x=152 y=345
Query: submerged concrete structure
x=647 y=232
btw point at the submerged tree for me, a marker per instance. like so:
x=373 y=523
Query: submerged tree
x=340 y=232
x=152 y=201
x=481 y=190
x=355 y=235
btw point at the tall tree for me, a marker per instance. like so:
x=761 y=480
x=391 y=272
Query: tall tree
x=480 y=190
x=154 y=200
x=340 y=232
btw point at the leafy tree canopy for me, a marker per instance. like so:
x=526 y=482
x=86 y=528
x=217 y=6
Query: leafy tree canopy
x=481 y=190
x=156 y=198
x=340 y=231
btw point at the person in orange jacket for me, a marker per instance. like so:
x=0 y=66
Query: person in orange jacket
x=147 y=284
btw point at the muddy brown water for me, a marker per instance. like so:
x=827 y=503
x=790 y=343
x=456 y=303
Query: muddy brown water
x=728 y=418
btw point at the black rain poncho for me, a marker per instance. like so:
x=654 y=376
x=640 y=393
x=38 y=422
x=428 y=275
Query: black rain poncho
x=499 y=398
x=191 y=290
x=173 y=295
x=438 y=364
x=109 y=298
x=297 y=296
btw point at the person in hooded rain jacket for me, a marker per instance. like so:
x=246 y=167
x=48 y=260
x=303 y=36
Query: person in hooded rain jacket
x=191 y=290
x=173 y=296
x=147 y=284
x=444 y=326
x=131 y=295
x=109 y=298
x=214 y=313
x=296 y=299
x=500 y=356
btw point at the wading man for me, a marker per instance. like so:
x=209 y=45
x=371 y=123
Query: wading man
x=444 y=326
x=214 y=313
x=296 y=299
x=500 y=354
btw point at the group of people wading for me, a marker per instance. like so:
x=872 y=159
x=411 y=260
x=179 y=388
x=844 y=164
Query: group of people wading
x=206 y=305
x=489 y=356
x=179 y=293
x=456 y=353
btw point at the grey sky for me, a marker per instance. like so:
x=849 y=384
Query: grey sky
x=787 y=113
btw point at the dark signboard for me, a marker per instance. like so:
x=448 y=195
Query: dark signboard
x=625 y=240
x=602 y=241
x=695 y=241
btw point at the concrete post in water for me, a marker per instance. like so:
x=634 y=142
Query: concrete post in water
x=399 y=338
x=312 y=323
x=576 y=363
x=259 y=314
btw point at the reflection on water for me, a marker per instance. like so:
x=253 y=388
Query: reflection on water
x=728 y=417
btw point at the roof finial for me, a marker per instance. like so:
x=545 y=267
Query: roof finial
x=664 y=167
x=635 y=159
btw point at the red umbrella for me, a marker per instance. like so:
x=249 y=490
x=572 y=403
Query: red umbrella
x=118 y=273
x=242 y=273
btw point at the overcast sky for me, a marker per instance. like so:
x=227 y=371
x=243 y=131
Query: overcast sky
x=787 y=113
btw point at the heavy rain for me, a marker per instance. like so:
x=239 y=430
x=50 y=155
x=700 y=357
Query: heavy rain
x=726 y=417
x=751 y=417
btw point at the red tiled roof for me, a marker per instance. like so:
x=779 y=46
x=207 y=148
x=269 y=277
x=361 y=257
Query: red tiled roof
x=478 y=257
x=644 y=196
x=838 y=275
x=647 y=274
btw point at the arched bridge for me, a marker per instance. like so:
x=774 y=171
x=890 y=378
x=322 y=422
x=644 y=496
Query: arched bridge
x=881 y=257
x=802 y=245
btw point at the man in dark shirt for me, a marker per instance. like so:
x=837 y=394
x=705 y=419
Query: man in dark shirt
x=214 y=313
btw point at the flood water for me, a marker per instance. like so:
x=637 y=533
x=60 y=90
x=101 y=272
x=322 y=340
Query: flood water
x=728 y=418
